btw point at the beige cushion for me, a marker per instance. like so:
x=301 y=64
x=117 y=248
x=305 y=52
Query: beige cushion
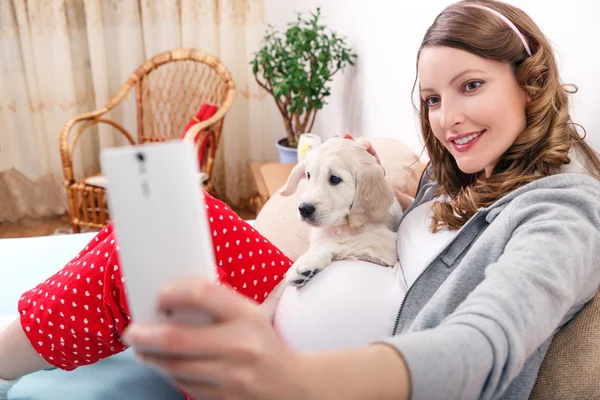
x=571 y=368
x=278 y=220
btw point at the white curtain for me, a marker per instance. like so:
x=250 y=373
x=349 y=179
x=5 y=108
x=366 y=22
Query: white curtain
x=61 y=58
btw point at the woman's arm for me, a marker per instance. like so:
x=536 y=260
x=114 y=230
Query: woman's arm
x=241 y=356
x=375 y=372
x=404 y=199
x=549 y=269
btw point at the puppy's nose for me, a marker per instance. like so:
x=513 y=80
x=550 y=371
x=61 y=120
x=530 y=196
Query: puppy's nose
x=306 y=209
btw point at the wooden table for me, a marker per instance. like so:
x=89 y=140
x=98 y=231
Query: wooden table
x=268 y=177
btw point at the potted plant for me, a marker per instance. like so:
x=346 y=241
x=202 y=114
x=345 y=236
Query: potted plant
x=296 y=67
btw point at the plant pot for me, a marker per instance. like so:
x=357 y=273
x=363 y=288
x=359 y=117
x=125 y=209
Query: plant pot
x=287 y=154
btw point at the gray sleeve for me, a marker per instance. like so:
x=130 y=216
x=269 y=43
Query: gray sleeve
x=550 y=268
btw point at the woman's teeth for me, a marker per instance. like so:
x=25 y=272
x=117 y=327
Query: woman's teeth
x=467 y=139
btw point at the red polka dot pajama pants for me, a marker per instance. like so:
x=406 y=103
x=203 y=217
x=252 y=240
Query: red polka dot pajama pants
x=77 y=316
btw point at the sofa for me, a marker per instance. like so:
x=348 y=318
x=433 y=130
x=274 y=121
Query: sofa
x=571 y=369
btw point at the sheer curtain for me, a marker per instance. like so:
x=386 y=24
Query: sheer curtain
x=61 y=58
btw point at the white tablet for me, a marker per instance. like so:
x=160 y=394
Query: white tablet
x=159 y=215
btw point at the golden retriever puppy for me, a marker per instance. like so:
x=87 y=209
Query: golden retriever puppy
x=352 y=210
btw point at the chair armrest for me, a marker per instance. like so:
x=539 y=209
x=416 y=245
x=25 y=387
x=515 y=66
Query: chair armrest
x=219 y=115
x=67 y=145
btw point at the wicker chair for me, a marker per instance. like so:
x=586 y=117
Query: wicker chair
x=170 y=87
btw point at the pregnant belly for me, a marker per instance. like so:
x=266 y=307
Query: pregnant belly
x=348 y=304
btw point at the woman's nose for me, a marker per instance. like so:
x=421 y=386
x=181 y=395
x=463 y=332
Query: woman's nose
x=450 y=116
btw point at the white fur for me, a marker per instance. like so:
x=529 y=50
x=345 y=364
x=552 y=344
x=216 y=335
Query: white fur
x=355 y=219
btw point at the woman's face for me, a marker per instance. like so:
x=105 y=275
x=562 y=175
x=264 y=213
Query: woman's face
x=476 y=107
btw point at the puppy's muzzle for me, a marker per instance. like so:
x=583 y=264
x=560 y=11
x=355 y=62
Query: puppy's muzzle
x=307 y=210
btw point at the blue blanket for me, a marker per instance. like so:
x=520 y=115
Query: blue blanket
x=23 y=264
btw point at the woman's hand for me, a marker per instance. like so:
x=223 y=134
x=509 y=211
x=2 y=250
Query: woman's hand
x=404 y=199
x=368 y=146
x=239 y=356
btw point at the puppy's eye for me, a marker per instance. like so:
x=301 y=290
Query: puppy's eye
x=307 y=175
x=334 y=180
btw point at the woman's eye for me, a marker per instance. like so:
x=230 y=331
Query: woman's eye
x=334 y=180
x=307 y=175
x=432 y=101
x=470 y=86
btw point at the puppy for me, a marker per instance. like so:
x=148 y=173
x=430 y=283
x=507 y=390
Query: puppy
x=351 y=208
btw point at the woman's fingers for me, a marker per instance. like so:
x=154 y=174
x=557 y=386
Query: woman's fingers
x=200 y=371
x=200 y=294
x=177 y=340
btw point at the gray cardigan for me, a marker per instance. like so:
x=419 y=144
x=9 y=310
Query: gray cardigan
x=478 y=321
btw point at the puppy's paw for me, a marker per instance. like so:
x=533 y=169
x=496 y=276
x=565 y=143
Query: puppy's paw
x=299 y=279
x=302 y=271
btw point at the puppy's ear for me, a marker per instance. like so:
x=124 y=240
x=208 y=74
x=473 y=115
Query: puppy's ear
x=294 y=179
x=372 y=197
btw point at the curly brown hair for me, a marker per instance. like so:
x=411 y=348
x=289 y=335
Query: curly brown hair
x=541 y=149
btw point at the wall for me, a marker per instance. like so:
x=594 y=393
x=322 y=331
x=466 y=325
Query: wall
x=373 y=98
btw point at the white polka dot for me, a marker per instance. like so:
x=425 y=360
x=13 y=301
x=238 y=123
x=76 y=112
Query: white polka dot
x=226 y=244
x=218 y=248
x=224 y=231
x=87 y=293
x=74 y=291
x=255 y=282
x=72 y=319
x=242 y=271
x=250 y=254
x=50 y=323
x=237 y=242
x=230 y=259
x=214 y=233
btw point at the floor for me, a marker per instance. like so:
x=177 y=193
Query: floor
x=28 y=227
